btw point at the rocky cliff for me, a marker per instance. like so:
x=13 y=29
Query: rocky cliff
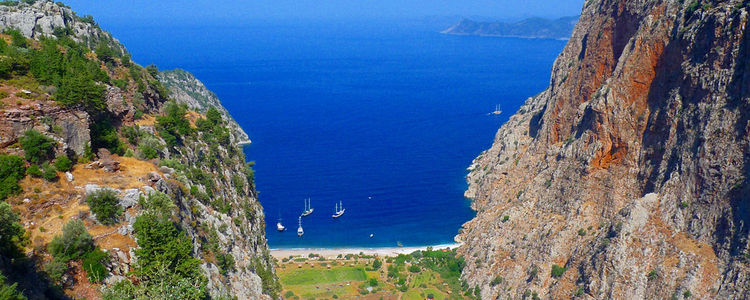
x=628 y=177
x=201 y=167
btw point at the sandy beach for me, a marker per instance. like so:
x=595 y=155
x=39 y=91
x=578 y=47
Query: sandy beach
x=333 y=252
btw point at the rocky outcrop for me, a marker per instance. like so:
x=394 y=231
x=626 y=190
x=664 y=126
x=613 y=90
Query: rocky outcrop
x=45 y=18
x=187 y=89
x=628 y=177
x=70 y=127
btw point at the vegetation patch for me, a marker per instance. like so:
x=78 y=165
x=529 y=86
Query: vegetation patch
x=105 y=206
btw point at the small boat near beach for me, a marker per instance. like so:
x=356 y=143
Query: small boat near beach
x=308 y=209
x=279 y=226
x=338 y=210
x=300 y=232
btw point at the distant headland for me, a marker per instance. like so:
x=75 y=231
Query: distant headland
x=528 y=28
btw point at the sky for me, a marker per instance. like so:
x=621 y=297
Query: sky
x=237 y=11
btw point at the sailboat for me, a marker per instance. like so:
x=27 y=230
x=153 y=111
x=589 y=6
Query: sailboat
x=308 y=209
x=300 y=232
x=280 y=227
x=497 y=110
x=339 y=210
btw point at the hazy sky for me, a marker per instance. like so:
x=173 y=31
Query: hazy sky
x=239 y=10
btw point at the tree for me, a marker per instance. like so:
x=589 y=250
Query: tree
x=82 y=92
x=105 y=206
x=37 y=147
x=11 y=232
x=74 y=242
x=12 y=169
x=376 y=264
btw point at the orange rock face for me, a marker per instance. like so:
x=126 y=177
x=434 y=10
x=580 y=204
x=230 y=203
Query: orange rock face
x=631 y=170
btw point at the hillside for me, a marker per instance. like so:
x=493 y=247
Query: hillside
x=628 y=177
x=528 y=28
x=118 y=181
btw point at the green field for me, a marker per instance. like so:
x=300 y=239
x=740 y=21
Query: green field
x=437 y=277
x=322 y=276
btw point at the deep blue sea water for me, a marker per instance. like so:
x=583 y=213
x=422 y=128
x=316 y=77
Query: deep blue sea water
x=348 y=111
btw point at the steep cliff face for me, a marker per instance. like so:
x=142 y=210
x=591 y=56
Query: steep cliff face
x=628 y=177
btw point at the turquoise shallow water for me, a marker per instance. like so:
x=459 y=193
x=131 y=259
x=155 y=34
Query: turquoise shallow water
x=384 y=117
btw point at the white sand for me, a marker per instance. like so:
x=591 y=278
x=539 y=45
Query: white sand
x=333 y=252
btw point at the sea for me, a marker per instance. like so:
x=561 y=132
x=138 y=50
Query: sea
x=383 y=117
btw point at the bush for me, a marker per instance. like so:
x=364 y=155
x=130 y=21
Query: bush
x=104 y=135
x=11 y=232
x=414 y=269
x=9 y=292
x=557 y=271
x=63 y=163
x=34 y=171
x=173 y=125
x=12 y=169
x=373 y=282
x=376 y=264
x=105 y=206
x=163 y=245
x=225 y=262
x=74 y=242
x=497 y=280
x=81 y=92
x=93 y=265
x=56 y=268
x=37 y=147
x=49 y=172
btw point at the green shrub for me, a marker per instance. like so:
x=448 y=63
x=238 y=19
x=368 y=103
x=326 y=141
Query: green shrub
x=105 y=206
x=163 y=245
x=37 y=147
x=373 y=282
x=225 y=262
x=56 y=268
x=173 y=125
x=652 y=275
x=497 y=280
x=9 y=292
x=34 y=171
x=162 y=285
x=63 y=163
x=414 y=269
x=104 y=135
x=288 y=294
x=49 y=172
x=376 y=264
x=11 y=232
x=12 y=169
x=80 y=91
x=17 y=39
x=93 y=265
x=74 y=242
x=557 y=271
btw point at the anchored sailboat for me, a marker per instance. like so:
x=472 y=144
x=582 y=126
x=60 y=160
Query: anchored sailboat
x=280 y=227
x=300 y=232
x=497 y=110
x=308 y=209
x=339 y=210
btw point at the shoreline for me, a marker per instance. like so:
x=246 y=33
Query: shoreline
x=334 y=252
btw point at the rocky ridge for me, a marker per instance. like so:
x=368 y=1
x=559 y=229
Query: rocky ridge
x=229 y=223
x=628 y=177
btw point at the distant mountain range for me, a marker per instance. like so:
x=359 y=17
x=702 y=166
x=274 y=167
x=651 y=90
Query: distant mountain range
x=529 y=28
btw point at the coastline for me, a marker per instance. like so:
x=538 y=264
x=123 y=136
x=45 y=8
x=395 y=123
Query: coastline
x=334 y=252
